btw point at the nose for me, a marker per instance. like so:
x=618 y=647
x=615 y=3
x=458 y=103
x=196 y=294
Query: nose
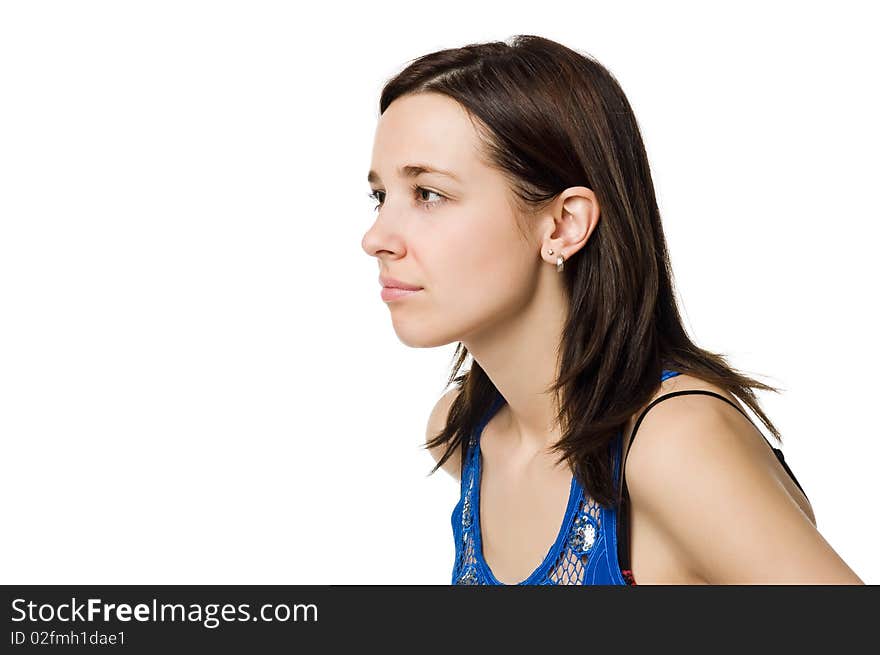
x=382 y=238
x=371 y=242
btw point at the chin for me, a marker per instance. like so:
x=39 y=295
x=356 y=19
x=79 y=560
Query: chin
x=422 y=336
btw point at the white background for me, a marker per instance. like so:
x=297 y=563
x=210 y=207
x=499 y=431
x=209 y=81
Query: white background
x=198 y=380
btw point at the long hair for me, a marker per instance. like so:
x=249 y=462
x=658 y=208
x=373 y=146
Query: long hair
x=548 y=118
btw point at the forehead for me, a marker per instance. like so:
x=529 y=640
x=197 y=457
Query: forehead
x=426 y=127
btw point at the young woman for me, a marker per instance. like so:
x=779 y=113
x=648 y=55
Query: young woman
x=517 y=217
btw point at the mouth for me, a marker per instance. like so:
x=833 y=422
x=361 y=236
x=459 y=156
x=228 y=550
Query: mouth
x=396 y=293
x=393 y=283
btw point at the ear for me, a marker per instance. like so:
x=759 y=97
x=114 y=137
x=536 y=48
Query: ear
x=572 y=219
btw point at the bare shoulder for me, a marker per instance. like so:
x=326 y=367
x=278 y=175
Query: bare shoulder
x=703 y=475
x=670 y=412
x=668 y=423
x=436 y=422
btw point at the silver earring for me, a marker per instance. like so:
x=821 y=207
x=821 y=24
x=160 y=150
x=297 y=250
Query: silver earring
x=559 y=260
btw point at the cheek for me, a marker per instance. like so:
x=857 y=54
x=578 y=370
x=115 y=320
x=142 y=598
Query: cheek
x=478 y=273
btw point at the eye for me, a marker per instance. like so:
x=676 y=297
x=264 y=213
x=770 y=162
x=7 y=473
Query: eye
x=428 y=204
x=375 y=196
x=418 y=191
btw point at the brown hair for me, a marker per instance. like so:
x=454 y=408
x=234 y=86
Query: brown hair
x=548 y=118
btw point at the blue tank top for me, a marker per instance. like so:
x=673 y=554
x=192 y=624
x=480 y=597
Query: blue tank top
x=585 y=550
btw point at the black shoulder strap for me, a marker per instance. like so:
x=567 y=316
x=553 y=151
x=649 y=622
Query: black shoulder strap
x=776 y=451
x=623 y=515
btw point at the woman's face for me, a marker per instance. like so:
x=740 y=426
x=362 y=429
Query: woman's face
x=456 y=237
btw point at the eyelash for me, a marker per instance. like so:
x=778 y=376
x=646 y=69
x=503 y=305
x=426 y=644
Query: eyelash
x=430 y=204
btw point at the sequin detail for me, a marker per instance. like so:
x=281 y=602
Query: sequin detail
x=466 y=513
x=465 y=559
x=583 y=534
x=469 y=578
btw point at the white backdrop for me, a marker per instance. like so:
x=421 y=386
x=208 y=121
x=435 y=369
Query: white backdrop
x=198 y=380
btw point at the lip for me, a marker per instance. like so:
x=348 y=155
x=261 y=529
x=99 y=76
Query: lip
x=395 y=293
x=390 y=282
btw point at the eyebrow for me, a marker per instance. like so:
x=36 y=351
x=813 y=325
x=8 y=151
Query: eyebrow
x=414 y=170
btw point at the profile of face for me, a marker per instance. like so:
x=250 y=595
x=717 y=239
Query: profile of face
x=454 y=234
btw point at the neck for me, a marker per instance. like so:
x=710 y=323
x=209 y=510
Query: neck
x=520 y=357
